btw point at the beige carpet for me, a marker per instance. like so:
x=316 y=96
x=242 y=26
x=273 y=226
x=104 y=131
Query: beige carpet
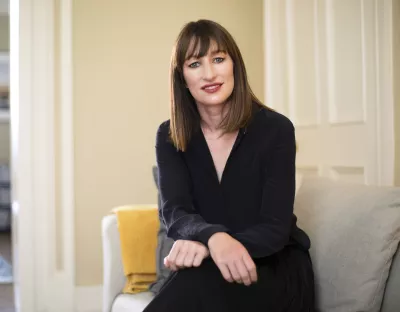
x=6 y=291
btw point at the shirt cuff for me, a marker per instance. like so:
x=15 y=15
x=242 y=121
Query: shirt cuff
x=209 y=231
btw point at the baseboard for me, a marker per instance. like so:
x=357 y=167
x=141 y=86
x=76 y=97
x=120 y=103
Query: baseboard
x=89 y=298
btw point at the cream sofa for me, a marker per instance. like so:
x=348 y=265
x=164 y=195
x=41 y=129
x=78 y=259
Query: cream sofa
x=352 y=249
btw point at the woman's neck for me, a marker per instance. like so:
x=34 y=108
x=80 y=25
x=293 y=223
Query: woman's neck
x=211 y=116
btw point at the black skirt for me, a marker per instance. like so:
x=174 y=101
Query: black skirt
x=285 y=284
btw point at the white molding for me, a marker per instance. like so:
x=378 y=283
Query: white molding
x=370 y=46
x=330 y=48
x=291 y=62
x=41 y=285
x=364 y=63
x=385 y=96
x=43 y=154
x=21 y=157
x=89 y=298
x=318 y=81
x=67 y=146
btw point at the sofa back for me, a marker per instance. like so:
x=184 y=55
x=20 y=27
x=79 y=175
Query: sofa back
x=355 y=232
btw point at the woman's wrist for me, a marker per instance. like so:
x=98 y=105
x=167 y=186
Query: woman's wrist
x=206 y=233
x=213 y=238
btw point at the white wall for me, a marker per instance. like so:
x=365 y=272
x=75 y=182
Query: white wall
x=121 y=59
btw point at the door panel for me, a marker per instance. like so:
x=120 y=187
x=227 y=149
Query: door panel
x=322 y=72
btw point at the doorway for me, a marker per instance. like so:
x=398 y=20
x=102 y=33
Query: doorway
x=6 y=270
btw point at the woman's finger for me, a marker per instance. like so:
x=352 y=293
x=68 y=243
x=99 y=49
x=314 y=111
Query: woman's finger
x=225 y=272
x=174 y=251
x=171 y=265
x=180 y=258
x=189 y=258
x=198 y=259
x=234 y=272
x=166 y=262
x=251 y=268
x=243 y=272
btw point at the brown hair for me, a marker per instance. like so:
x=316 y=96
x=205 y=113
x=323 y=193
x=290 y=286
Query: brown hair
x=185 y=118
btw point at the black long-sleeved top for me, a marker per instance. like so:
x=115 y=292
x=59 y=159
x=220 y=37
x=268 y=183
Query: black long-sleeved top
x=253 y=202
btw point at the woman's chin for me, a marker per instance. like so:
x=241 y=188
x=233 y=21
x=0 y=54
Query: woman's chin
x=213 y=102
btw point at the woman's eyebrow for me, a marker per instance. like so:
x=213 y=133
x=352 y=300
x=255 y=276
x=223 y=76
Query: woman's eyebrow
x=191 y=58
x=217 y=52
x=212 y=53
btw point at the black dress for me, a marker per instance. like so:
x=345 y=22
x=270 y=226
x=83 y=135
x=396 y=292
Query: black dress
x=253 y=203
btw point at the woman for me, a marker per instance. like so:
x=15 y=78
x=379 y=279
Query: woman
x=227 y=184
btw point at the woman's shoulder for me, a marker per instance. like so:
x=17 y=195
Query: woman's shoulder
x=163 y=133
x=164 y=125
x=163 y=128
x=271 y=118
x=272 y=128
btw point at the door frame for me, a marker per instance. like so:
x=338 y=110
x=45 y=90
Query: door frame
x=42 y=163
x=385 y=81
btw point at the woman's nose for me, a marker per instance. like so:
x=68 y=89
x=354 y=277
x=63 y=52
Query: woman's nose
x=209 y=71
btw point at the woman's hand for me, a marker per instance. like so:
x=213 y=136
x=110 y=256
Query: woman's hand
x=186 y=254
x=232 y=259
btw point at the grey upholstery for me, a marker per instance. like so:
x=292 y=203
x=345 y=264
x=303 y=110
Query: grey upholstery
x=164 y=245
x=355 y=231
x=391 y=299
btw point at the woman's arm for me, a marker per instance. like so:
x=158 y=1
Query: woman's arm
x=180 y=217
x=273 y=231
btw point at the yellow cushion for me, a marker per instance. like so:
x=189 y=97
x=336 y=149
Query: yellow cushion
x=138 y=226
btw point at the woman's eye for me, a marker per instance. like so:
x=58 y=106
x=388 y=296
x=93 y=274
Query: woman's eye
x=194 y=65
x=219 y=59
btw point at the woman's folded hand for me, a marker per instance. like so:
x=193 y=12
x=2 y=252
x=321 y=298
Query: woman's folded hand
x=232 y=259
x=186 y=254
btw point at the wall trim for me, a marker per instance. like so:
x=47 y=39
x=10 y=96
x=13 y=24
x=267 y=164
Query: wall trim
x=21 y=156
x=385 y=96
x=67 y=145
x=89 y=298
x=42 y=230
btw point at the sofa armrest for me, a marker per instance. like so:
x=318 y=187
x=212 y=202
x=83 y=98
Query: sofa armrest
x=113 y=274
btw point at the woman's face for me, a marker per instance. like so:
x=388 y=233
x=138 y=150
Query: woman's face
x=210 y=78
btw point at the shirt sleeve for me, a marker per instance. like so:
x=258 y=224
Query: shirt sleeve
x=178 y=213
x=272 y=233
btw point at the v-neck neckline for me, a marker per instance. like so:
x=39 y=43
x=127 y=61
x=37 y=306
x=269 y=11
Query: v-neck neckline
x=210 y=159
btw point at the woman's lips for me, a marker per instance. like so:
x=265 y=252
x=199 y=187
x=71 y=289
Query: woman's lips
x=212 y=88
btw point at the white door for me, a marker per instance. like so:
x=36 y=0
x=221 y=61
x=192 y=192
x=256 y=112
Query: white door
x=41 y=137
x=328 y=68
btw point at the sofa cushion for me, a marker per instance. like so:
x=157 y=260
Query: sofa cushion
x=132 y=303
x=354 y=230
